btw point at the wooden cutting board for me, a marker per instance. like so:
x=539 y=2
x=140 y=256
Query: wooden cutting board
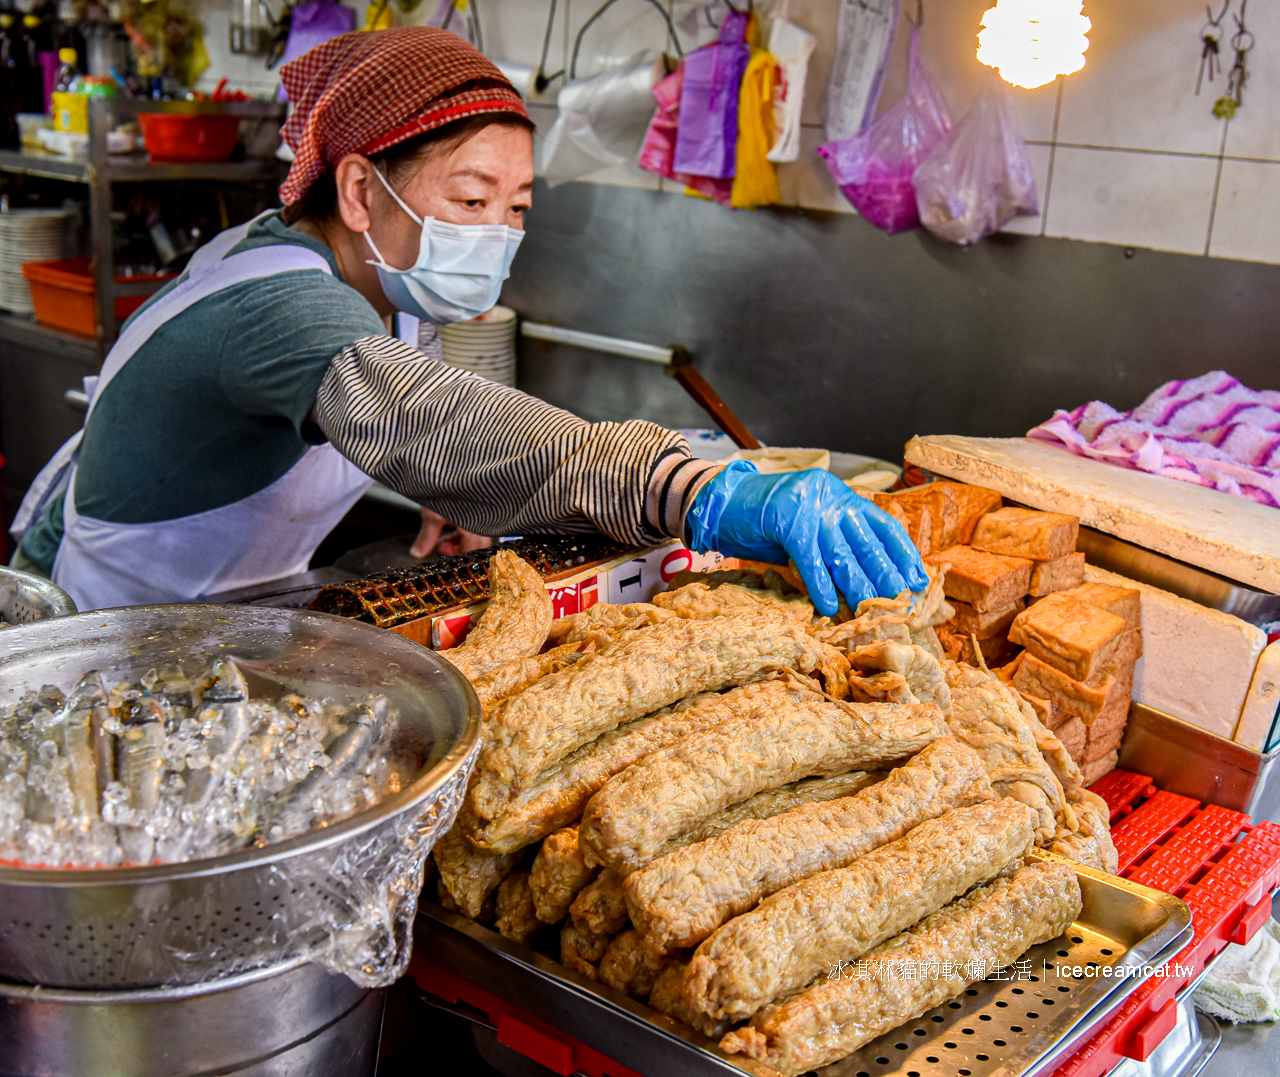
x=1234 y=537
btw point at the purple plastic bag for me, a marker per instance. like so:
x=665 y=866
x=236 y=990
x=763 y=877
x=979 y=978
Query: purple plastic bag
x=978 y=178
x=313 y=24
x=874 y=169
x=707 y=141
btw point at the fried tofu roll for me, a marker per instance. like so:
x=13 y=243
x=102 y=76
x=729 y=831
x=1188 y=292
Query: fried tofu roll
x=990 y=927
x=514 y=624
x=802 y=931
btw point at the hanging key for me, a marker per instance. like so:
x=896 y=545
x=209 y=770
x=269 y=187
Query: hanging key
x=1208 y=57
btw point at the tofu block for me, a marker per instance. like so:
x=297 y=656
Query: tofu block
x=1041 y=536
x=1109 y=726
x=1129 y=651
x=973 y=503
x=986 y=581
x=1073 y=735
x=1124 y=602
x=959 y=648
x=1060 y=575
x=1096 y=749
x=1078 y=638
x=1091 y=772
x=1197 y=664
x=969 y=621
x=1259 y=711
x=1042 y=707
x=1086 y=702
x=930 y=511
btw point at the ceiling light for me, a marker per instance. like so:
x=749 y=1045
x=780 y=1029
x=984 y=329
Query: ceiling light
x=1032 y=42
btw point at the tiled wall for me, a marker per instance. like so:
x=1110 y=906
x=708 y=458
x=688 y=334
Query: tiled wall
x=1124 y=151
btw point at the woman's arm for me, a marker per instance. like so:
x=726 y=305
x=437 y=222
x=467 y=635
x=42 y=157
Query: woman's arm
x=496 y=461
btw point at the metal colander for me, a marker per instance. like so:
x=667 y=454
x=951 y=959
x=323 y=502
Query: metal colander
x=343 y=896
x=25 y=598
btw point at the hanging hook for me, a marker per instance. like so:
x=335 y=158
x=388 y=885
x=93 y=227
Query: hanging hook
x=1222 y=15
x=577 y=43
x=918 y=21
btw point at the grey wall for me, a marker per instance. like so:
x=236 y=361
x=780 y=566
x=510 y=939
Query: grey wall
x=820 y=330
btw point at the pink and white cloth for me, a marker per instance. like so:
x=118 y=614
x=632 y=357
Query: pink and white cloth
x=1211 y=431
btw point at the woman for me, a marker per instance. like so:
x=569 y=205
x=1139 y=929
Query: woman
x=244 y=409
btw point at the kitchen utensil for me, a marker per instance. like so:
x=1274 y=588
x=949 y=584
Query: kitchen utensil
x=341 y=896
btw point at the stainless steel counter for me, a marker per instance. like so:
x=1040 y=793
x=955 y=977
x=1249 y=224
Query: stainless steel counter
x=1245 y=1049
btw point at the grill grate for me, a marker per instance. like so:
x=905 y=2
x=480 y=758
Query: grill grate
x=976 y=1033
x=405 y=594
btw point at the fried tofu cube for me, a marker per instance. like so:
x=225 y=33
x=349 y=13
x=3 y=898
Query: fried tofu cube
x=1040 y=536
x=1124 y=602
x=1091 y=772
x=969 y=622
x=973 y=503
x=1089 y=703
x=1076 y=637
x=1074 y=734
x=1060 y=575
x=1042 y=707
x=1096 y=747
x=986 y=581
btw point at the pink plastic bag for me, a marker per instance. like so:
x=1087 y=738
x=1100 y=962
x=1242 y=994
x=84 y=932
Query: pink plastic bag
x=980 y=177
x=874 y=169
x=658 y=153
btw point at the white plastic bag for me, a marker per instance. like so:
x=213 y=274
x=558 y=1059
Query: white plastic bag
x=791 y=47
x=602 y=120
x=979 y=176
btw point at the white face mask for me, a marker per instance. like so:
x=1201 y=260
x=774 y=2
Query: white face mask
x=459 y=271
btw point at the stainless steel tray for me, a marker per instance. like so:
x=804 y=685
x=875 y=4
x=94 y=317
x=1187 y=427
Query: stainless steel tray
x=1021 y=1026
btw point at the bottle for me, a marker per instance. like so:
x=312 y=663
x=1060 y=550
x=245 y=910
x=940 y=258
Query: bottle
x=68 y=73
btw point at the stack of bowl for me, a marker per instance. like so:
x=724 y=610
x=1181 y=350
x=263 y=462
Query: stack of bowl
x=31 y=235
x=484 y=346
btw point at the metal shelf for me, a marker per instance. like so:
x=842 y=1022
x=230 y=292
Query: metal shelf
x=138 y=168
x=24 y=330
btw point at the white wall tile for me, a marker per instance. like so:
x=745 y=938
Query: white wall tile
x=1255 y=131
x=1033 y=226
x=1137 y=88
x=1246 y=223
x=621 y=32
x=248 y=73
x=806 y=181
x=1138 y=199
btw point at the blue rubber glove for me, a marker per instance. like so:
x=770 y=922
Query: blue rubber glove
x=836 y=538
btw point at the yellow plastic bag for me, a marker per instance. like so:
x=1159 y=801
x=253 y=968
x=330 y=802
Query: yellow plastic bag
x=755 y=183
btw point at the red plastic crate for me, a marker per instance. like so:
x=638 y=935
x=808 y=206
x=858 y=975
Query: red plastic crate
x=1223 y=865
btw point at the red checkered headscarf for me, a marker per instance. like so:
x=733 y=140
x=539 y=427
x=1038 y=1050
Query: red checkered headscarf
x=366 y=91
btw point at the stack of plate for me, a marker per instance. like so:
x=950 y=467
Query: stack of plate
x=485 y=346
x=31 y=235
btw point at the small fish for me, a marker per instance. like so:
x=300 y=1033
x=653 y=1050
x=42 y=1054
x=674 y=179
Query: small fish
x=86 y=746
x=139 y=758
x=349 y=751
x=225 y=699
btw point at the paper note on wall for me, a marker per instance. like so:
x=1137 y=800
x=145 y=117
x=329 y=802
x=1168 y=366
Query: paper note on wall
x=864 y=37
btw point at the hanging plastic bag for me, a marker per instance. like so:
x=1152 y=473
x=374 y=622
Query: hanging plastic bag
x=791 y=47
x=658 y=153
x=603 y=120
x=979 y=177
x=312 y=24
x=755 y=181
x=707 y=139
x=874 y=169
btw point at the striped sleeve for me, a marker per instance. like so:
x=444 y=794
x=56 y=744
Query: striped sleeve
x=496 y=461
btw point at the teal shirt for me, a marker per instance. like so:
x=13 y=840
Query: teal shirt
x=214 y=406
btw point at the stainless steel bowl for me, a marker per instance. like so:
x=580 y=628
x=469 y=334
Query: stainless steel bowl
x=343 y=896
x=25 y=598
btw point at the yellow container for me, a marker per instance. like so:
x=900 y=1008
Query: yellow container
x=71 y=112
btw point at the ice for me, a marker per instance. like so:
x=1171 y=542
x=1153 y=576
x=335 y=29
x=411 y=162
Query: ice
x=186 y=767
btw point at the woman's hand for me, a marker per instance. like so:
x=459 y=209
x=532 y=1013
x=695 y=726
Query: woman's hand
x=433 y=539
x=837 y=539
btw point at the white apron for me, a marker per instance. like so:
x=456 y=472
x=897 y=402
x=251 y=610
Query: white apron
x=267 y=535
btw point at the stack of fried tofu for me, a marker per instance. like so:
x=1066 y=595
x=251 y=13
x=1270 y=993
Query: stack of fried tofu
x=1016 y=582
x=1077 y=668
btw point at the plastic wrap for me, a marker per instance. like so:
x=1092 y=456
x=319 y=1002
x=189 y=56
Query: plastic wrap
x=874 y=169
x=978 y=178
